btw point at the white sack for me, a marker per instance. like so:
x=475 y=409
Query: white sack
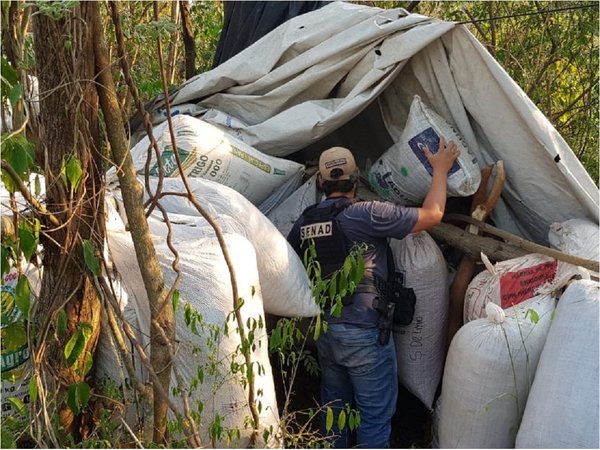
x=280 y=194
x=489 y=369
x=516 y=280
x=286 y=214
x=562 y=407
x=577 y=237
x=16 y=361
x=403 y=172
x=206 y=286
x=421 y=346
x=208 y=152
x=285 y=285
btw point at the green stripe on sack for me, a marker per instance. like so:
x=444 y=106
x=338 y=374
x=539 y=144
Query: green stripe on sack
x=10 y=360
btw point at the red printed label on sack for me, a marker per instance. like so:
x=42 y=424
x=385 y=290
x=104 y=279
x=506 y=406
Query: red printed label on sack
x=516 y=287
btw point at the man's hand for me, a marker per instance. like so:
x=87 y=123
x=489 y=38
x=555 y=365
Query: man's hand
x=432 y=211
x=445 y=156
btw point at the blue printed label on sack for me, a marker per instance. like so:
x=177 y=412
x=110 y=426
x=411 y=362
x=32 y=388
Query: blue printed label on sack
x=428 y=138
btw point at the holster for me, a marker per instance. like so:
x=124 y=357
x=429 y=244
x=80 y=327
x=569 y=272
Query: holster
x=386 y=318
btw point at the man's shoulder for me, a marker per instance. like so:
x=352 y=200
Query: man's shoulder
x=374 y=206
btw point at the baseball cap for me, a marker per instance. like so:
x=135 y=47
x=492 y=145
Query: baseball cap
x=337 y=163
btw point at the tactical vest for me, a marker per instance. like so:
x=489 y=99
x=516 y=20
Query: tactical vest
x=331 y=244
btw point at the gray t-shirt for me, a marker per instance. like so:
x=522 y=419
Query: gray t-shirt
x=371 y=222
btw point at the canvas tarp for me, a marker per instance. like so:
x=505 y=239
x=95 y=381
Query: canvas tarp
x=345 y=73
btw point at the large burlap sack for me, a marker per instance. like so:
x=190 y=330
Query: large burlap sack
x=286 y=214
x=205 y=352
x=489 y=370
x=285 y=285
x=562 y=407
x=577 y=237
x=403 y=173
x=420 y=346
x=515 y=281
x=208 y=152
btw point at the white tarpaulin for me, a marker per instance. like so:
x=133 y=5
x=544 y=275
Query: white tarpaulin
x=302 y=83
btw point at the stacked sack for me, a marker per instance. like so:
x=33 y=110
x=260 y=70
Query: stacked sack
x=286 y=214
x=205 y=352
x=206 y=151
x=16 y=365
x=566 y=381
x=489 y=369
x=285 y=285
x=403 y=173
x=516 y=281
x=420 y=346
x=578 y=237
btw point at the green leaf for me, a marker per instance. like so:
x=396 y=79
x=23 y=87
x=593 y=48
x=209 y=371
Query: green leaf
x=342 y=285
x=32 y=387
x=89 y=362
x=86 y=330
x=27 y=240
x=317 y=331
x=15 y=94
x=9 y=73
x=91 y=260
x=361 y=268
x=276 y=339
x=84 y=393
x=265 y=435
x=175 y=300
x=18 y=405
x=336 y=308
x=61 y=323
x=78 y=396
x=73 y=171
x=4 y=260
x=77 y=343
x=187 y=314
x=37 y=186
x=19 y=153
x=333 y=285
x=347 y=267
x=533 y=315
x=342 y=420
x=22 y=295
x=329 y=419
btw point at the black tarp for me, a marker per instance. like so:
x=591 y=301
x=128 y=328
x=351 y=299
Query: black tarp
x=246 y=22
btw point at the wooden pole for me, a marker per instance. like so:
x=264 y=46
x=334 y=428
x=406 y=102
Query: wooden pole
x=499 y=250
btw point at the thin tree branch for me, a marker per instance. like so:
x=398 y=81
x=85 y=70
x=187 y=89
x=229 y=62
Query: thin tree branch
x=27 y=195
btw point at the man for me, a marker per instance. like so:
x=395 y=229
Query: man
x=357 y=368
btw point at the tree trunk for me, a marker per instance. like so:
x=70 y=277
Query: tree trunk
x=68 y=128
x=162 y=333
x=187 y=34
x=173 y=44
